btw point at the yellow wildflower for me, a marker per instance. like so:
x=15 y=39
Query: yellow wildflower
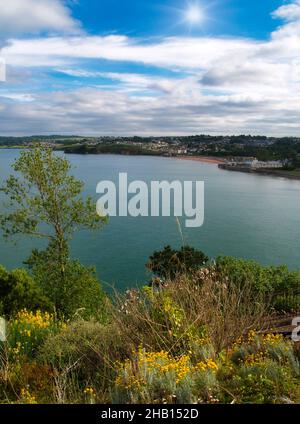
x=89 y=391
x=209 y=364
x=27 y=398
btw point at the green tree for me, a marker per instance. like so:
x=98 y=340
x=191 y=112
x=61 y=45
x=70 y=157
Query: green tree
x=45 y=201
x=19 y=291
x=168 y=263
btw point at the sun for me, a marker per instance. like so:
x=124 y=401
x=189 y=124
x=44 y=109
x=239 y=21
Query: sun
x=194 y=14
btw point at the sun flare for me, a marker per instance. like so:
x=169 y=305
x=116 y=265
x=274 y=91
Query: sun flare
x=194 y=14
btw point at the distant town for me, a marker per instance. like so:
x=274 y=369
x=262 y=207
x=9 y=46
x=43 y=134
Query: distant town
x=238 y=153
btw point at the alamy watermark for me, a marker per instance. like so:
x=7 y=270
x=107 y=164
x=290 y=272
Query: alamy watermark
x=2 y=330
x=157 y=198
x=2 y=70
x=296 y=330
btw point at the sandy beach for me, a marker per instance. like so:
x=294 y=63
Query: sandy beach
x=205 y=159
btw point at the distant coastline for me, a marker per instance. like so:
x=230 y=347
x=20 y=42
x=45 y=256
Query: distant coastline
x=221 y=162
x=126 y=150
x=282 y=173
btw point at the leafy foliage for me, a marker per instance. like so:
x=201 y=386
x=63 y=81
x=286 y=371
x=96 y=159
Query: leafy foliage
x=280 y=286
x=169 y=263
x=46 y=194
x=28 y=330
x=80 y=292
x=95 y=349
x=19 y=291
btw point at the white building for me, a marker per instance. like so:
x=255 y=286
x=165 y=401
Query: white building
x=253 y=163
x=256 y=164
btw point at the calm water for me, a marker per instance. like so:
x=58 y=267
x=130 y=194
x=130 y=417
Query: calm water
x=246 y=216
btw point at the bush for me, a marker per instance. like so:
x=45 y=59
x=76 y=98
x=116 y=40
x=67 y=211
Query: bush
x=21 y=377
x=33 y=383
x=169 y=263
x=258 y=369
x=180 y=316
x=85 y=352
x=27 y=332
x=195 y=339
x=157 y=377
x=78 y=292
x=263 y=369
x=18 y=291
x=279 y=286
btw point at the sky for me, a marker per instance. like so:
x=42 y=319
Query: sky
x=151 y=67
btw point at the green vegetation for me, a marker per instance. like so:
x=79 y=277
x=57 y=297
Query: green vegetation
x=115 y=149
x=285 y=149
x=13 y=142
x=194 y=341
x=251 y=371
x=45 y=202
x=169 y=263
x=77 y=291
x=279 y=286
x=19 y=291
x=200 y=334
x=261 y=147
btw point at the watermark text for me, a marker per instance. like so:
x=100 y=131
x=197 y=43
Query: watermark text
x=158 y=198
x=296 y=329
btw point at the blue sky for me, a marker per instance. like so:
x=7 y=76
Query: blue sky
x=130 y=67
x=158 y=17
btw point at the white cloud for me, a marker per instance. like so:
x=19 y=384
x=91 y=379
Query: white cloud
x=80 y=73
x=183 y=110
x=22 y=97
x=289 y=12
x=137 y=82
x=290 y=31
x=192 y=53
x=31 y=16
x=130 y=82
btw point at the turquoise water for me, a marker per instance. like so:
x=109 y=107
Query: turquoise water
x=246 y=216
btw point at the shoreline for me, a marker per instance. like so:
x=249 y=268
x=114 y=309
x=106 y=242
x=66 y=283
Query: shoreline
x=212 y=160
x=261 y=172
x=204 y=159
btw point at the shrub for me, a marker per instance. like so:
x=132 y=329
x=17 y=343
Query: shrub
x=33 y=382
x=191 y=340
x=157 y=377
x=84 y=352
x=18 y=291
x=169 y=263
x=181 y=316
x=27 y=332
x=78 y=291
x=263 y=369
x=256 y=369
x=280 y=287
